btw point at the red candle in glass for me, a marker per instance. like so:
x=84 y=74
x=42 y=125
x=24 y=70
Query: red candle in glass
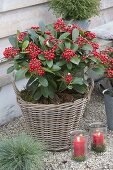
x=98 y=138
x=79 y=146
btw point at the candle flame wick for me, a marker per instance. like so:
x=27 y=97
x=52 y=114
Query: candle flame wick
x=78 y=139
x=98 y=133
x=81 y=135
x=97 y=130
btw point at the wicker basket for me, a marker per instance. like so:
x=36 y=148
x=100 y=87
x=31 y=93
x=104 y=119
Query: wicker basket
x=52 y=123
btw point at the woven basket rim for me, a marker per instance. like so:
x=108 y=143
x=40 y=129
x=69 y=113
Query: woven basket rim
x=40 y=104
x=87 y=96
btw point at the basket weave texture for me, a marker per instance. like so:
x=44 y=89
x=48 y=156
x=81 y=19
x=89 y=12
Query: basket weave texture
x=52 y=123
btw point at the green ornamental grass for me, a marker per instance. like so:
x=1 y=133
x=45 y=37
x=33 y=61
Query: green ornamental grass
x=21 y=153
x=75 y=9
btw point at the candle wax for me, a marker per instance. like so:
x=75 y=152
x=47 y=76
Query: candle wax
x=79 y=146
x=98 y=138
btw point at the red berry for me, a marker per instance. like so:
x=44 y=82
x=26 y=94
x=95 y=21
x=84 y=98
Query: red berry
x=59 y=25
x=110 y=73
x=41 y=72
x=21 y=36
x=35 y=27
x=10 y=52
x=33 y=50
x=34 y=64
x=68 y=78
x=90 y=35
x=68 y=54
x=49 y=55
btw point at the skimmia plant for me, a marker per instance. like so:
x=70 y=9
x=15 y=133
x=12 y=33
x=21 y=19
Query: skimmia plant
x=54 y=58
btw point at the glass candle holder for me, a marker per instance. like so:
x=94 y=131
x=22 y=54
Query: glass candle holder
x=79 y=145
x=98 y=133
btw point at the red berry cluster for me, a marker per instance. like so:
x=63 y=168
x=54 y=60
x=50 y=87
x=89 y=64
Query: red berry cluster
x=68 y=54
x=95 y=54
x=21 y=36
x=94 y=45
x=36 y=65
x=109 y=73
x=104 y=59
x=84 y=58
x=35 y=27
x=111 y=62
x=90 y=35
x=50 y=36
x=82 y=41
x=68 y=78
x=49 y=55
x=59 y=25
x=109 y=50
x=33 y=50
x=46 y=42
x=70 y=28
x=10 y=52
x=48 y=32
x=40 y=72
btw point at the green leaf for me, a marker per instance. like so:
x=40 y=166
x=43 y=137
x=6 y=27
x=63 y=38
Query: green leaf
x=51 y=92
x=27 y=74
x=49 y=63
x=44 y=91
x=77 y=80
x=81 y=33
x=99 y=71
x=94 y=59
x=61 y=63
x=81 y=88
x=53 y=83
x=37 y=94
x=87 y=48
x=43 y=81
x=18 y=57
x=41 y=57
x=42 y=26
x=41 y=39
x=75 y=34
x=48 y=70
x=20 y=73
x=51 y=28
x=18 y=32
x=24 y=52
x=13 y=41
x=24 y=64
x=25 y=44
x=74 y=47
x=75 y=60
x=95 y=40
x=33 y=34
x=10 y=69
x=69 y=66
x=30 y=81
x=61 y=46
x=64 y=36
x=67 y=44
x=56 y=68
x=62 y=86
x=70 y=87
x=16 y=66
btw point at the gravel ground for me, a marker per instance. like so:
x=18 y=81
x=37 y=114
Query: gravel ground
x=62 y=161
